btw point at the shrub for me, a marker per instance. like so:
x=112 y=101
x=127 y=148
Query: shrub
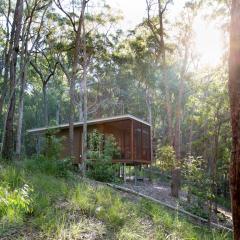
x=15 y=196
x=52 y=145
x=58 y=168
x=11 y=177
x=14 y=204
x=102 y=149
x=199 y=184
x=165 y=157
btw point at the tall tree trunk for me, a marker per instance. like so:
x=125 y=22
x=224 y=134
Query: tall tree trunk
x=234 y=94
x=190 y=137
x=58 y=112
x=45 y=104
x=85 y=109
x=177 y=135
x=22 y=76
x=21 y=107
x=8 y=138
x=7 y=48
x=177 y=141
x=215 y=158
x=80 y=105
x=175 y=185
x=149 y=107
x=74 y=78
x=165 y=77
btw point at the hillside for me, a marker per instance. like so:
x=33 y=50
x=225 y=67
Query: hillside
x=43 y=200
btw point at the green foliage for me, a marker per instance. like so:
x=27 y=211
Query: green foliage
x=172 y=224
x=41 y=164
x=67 y=208
x=52 y=145
x=102 y=150
x=49 y=162
x=14 y=204
x=15 y=197
x=199 y=184
x=165 y=157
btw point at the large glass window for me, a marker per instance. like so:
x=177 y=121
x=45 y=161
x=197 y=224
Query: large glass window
x=146 y=151
x=137 y=146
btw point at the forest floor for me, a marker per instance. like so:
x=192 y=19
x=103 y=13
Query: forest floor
x=40 y=200
x=161 y=191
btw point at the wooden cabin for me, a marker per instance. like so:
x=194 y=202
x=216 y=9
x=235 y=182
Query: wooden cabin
x=131 y=133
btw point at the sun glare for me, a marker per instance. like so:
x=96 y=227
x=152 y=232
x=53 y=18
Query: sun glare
x=208 y=42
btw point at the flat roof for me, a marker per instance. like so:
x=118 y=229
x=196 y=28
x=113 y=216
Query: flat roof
x=90 y=122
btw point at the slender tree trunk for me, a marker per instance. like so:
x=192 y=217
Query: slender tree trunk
x=165 y=78
x=58 y=112
x=71 y=116
x=4 y=89
x=175 y=185
x=85 y=109
x=234 y=94
x=22 y=76
x=74 y=78
x=45 y=104
x=177 y=135
x=8 y=138
x=80 y=105
x=149 y=107
x=7 y=48
x=20 y=110
x=190 y=137
x=214 y=163
x=80 y=111
x=177 y=141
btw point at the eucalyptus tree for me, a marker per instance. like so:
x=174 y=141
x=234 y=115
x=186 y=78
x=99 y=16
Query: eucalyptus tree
x=10 y=74
x=79 y=35
x=45 y=66
x=156 y=25
x=32 y=24
x=234 y=93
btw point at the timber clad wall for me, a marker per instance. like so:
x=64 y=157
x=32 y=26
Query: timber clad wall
x=132 y=136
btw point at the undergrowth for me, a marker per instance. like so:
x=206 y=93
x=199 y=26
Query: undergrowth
x=63 y=206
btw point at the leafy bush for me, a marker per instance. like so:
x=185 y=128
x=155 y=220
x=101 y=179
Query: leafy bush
x=102 y=149
x=165 y=157
x=52 y=145
x=198 y=183
x=11 y=177
x=14 y=204
x=15 y=196
x=58 y=168
x=48 y=161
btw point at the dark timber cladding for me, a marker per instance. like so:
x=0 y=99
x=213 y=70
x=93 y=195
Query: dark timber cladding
x=132 y=136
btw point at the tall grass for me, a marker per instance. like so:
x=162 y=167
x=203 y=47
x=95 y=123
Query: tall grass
x=15 y=197
x=63 y=207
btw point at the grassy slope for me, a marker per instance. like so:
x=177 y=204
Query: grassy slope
x=37 y=204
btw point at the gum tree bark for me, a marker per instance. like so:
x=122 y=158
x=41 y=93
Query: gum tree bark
x=85 y=108
x=234 y=95
x=4 y=87
x=24 y=60
x=8 y=135
x=75 y=69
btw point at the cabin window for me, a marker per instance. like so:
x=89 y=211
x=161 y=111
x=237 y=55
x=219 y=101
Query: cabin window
x=137 y=146
x=146 y=143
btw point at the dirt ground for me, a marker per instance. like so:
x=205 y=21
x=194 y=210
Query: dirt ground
x=162 y=192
